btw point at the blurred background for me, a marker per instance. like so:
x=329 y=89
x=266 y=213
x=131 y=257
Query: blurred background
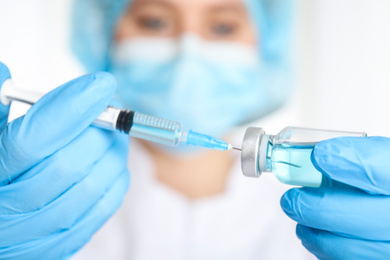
x=341 y=59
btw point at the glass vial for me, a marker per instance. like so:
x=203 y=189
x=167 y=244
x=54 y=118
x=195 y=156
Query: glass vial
x=287 y=154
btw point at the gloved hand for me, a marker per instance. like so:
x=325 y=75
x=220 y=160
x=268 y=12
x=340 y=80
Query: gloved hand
x=60 y=178
x=346 y=222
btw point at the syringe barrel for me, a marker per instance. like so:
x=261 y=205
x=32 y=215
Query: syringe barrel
x=151 y=128
x=139 y=125
x=9 y=92
x=156 y=129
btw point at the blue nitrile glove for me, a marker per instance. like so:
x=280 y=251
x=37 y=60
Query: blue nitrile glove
x=350 y=222
x=60 y=178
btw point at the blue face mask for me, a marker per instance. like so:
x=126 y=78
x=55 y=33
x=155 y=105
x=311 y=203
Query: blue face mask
x=209 y=87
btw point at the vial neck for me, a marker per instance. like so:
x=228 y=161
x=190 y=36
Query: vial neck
x=265 y=150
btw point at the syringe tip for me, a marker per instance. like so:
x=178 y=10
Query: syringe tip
x=236 y=148
x=206 y=141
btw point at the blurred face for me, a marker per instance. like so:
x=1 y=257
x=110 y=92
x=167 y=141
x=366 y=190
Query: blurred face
x=192 y=61
x=213 y=20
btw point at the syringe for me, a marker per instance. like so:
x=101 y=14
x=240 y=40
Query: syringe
x=151 y=128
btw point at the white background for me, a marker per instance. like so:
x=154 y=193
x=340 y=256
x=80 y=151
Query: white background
x=342 y=56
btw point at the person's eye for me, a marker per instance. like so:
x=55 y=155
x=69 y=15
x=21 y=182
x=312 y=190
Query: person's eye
x=223 y=29
x=152 y=23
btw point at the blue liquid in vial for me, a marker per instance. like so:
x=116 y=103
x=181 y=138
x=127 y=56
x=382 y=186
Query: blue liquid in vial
x=292 y=165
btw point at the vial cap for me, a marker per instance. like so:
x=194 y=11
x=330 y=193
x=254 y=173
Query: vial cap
x=250 y=152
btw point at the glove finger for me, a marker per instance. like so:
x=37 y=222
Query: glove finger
x=50 y=178
x=4 y=110
x=52 y=122
x=349 y=212
x=356 y=161
x=326 y=245
x=63 y=212
x=66 y=242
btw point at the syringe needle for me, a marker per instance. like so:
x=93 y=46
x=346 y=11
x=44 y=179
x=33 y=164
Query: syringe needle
x=236 y=148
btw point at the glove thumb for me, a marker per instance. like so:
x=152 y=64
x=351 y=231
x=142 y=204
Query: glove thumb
x=360 y=162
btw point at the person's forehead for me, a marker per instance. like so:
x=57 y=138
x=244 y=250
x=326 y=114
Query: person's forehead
x=207 y=4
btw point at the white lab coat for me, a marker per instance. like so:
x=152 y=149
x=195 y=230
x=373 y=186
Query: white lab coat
x=155 y=222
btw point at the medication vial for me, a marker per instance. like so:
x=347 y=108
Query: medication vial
x=286 y=155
